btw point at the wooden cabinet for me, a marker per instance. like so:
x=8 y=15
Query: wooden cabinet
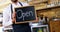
x=54 y=26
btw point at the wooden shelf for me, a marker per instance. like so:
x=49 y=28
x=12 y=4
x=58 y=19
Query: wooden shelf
x=37 y=2
x=48 y=7
x=50 y=11
x=53 y=1
x=34 y=2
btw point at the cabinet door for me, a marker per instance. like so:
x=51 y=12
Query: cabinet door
x=54 y=26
